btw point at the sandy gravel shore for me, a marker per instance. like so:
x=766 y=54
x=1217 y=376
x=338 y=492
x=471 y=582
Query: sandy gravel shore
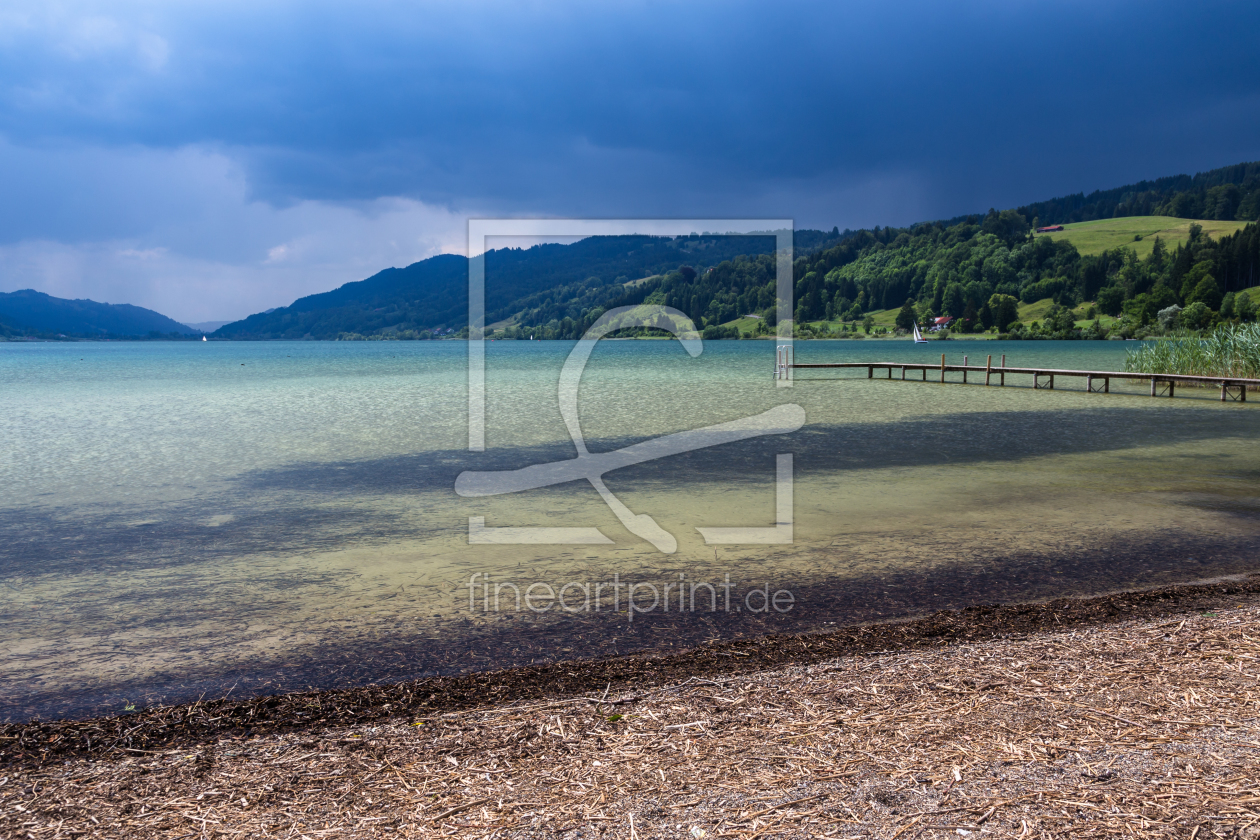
x=1147 y=727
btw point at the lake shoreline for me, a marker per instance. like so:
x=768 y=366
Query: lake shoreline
x=1129 y=714
x=191 y=724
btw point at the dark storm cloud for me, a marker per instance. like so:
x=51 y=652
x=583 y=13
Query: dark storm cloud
x=253 y=148
x=658 y=108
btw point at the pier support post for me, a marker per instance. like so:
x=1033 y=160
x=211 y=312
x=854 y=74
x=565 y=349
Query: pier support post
x=988 y=369
x=964 y=370
x=942 y=367
x=1172 y=388
x=1153 y=389
x=1107 y=385
x=890 y=371
x=903 y=373
x=1242 y=391
x=870 y=372
x=1002 y=382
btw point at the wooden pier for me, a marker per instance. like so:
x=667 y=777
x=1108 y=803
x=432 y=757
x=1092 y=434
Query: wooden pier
x=1096 y=381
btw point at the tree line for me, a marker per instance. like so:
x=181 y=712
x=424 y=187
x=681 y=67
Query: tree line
x=1228 y=193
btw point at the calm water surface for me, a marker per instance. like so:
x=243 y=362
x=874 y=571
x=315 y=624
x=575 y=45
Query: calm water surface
x=184 y=519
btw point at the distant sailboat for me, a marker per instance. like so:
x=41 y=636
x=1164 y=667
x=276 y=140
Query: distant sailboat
x=918 y=336
x=203 y=338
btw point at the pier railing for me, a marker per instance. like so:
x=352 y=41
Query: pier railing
x=1096 y=381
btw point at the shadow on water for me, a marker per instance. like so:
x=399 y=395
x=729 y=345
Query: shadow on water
x=290 y=509
x=310 y=508
x=105 y=540
x=459 y=645
x=819 y=448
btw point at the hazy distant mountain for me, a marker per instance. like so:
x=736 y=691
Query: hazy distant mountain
x=432 y=295
x=207 y=326
x=31 y=311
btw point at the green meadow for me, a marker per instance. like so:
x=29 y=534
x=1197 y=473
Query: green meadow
x=1105 y=234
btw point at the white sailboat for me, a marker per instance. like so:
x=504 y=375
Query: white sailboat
x=918 y=336
x=203 y=338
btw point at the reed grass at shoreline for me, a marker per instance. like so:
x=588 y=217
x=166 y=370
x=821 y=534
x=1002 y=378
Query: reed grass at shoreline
x=1232 y=351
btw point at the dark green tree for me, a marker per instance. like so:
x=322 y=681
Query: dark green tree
x=1009 y=226
x=1111 y=300
x=1005 y=311
x=1192 y=278
x=1207 y=291
x=1227 y=305
x=905 y=318
x=955 y=301
x=1196 y=316
x=986 y=316
x=969 y=318
x=1060 y=320
x=1245 y=307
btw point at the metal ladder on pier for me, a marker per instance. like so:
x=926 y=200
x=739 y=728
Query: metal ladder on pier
x=783 y=361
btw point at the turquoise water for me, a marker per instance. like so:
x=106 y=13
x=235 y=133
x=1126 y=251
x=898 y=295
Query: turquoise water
x=179 y=518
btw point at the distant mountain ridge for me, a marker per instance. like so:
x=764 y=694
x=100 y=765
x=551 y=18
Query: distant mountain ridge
x=28 y=312
x=564 y=280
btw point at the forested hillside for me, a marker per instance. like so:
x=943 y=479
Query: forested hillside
x=1231 y=192
x=534 y=285
x=976 y=271
x=971 y=269
x=710 y=297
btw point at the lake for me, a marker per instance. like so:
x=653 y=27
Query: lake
x=180 y=520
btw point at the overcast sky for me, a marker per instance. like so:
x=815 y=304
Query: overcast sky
x=209 y=160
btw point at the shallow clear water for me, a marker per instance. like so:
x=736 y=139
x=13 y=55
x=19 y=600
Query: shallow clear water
x=179 y=518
